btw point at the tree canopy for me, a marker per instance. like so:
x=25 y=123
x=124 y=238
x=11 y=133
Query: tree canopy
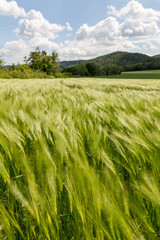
x=40 y=60
x=1 y=63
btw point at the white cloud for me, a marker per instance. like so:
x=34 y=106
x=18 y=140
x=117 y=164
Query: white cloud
x=43 y=43
x=11 y=9
x=68 y=35
x=107 y=29
x=135 y=10
x=135 y=28
x=149 y=46
x=35 y=25
x=14 y=51
x=68 y=27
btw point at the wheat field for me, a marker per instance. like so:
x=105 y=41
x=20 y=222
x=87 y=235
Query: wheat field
x=80 y=159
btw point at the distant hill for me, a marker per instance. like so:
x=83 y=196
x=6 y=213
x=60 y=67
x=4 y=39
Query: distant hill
x=115 y=58
x=121 y=59
x=65 y=64
x=156 y=56
x=129 y=61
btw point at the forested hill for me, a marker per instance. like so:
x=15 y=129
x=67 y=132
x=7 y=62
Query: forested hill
x=129 y=61
x=64 y=64
x=121 y=59
x=115 y=58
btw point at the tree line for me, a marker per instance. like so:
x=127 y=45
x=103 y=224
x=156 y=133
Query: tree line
x=40 y=64
x=89 y=68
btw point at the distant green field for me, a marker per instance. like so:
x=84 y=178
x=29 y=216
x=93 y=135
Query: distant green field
x=80 y=159
x=148 y=74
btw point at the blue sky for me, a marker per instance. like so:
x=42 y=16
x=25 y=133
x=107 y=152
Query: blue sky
x=80 y=29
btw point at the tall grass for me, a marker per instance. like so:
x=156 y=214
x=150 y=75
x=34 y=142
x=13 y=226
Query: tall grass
x=79 y=159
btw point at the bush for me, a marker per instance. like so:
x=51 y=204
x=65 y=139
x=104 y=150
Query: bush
x=21 y=73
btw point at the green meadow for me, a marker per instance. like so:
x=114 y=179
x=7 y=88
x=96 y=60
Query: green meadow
x=80 y=159
x=147 y=74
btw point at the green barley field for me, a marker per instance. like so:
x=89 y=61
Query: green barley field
x=80 y=159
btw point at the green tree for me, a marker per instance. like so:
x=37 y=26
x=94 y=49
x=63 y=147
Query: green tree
x=34 y=59
x=82 y=70
x=1 y=63
x=41 y=61
x=92 y=69
x=55 y=61
x=72 y=69
x=77 y=70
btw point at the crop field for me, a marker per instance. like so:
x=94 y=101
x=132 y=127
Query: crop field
x=80 y=159
x=148 y=74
